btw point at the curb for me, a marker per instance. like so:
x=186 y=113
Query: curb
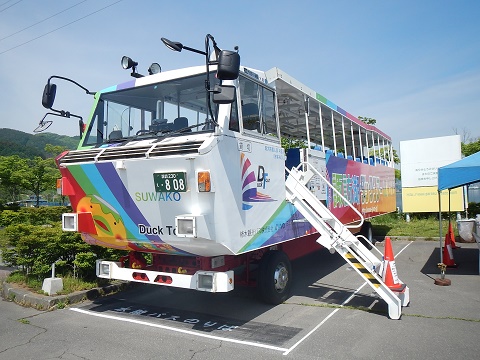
x=11 y=292
x=407 y=238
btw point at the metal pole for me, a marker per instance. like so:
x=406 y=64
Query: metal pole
x=333 y=132
x=307 y=110
x=345 y=153
x=353 y=140
x=440 y=223
x=321 y=125
x=449 y=215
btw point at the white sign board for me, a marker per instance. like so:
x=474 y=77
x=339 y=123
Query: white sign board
x=420 y=159
x=316 y=185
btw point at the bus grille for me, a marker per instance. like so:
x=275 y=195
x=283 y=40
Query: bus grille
x=131 y=152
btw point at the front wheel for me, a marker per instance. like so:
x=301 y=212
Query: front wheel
x=274 y=277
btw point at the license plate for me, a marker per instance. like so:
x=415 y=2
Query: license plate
x=170 y=182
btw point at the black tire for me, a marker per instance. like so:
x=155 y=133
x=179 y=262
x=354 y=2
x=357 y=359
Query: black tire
x=274 y=280
x=367 y=231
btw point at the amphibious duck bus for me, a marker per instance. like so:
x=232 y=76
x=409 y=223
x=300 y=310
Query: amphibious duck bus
x=187 y=171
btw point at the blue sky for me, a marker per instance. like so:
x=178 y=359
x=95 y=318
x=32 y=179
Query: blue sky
x=412 y=65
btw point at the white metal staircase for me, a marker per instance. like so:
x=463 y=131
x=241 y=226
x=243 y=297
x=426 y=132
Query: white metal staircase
x=336 y=236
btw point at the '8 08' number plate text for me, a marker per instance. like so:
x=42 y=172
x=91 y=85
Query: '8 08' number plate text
x=170 y=182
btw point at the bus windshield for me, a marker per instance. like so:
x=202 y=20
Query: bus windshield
x=171 y=108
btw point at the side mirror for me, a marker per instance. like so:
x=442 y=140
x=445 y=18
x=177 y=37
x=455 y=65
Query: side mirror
x=44 y=125
x=228 y=65
x=224 y=94
x=49 y=95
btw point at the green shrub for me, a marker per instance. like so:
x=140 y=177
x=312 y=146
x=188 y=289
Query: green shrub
x=33 y=216
x=35 y=248
x=9 y=217
x=473 y=209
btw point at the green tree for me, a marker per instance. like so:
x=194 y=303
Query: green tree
x=367 y=120
x=382 y=150
x=54 y=150
x=41 y=175
x=471 y=148
x=290 y=143
x=11 y=168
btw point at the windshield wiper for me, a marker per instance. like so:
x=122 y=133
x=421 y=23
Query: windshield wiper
x=164 y=132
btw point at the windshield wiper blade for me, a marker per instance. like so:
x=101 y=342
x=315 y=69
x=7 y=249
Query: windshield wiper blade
x=146 y=133
x=185 y=129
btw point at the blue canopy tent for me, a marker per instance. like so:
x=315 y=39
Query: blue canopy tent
x=459 y=173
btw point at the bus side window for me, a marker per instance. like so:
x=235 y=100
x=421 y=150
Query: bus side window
x=268 y=115
x=96 y=128
x=234 y=123
x=251 y=119
x=250 y=95
x=258 y=108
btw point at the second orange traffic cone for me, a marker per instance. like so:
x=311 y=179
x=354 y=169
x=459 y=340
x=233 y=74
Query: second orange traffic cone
x=448 y=253
x=390 y=276
x=451 y=235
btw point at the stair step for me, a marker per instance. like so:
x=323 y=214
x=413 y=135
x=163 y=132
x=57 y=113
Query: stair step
x=367 y=274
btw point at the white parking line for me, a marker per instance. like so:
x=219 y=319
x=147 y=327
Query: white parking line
x=334 y=311
x=311 y=332
x=404 y=248
x=139 y=322
x=324 y=320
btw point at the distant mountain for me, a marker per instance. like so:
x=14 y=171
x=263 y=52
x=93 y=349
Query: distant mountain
x=14 y=142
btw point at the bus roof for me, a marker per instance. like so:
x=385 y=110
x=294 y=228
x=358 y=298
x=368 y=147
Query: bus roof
x=286 y=85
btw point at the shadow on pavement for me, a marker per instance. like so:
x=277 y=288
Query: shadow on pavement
x=465 y=258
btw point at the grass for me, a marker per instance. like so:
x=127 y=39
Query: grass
x=70 y=284
x=420 y=225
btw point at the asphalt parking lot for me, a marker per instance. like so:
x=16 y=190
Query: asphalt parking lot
x=332 y=314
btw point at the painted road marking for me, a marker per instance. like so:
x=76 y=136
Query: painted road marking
x=334 y=311
x=324 y=320
x=245 y=330
x=183 y=331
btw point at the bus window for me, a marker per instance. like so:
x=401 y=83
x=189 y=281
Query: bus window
x=234 y=124
x=258 y=108
x=250 y=104
x=95 y=131
x=268 y=113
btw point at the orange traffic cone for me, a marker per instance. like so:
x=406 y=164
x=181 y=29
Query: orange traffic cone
x=452 y=236
x=448 y=253
x=390 y=276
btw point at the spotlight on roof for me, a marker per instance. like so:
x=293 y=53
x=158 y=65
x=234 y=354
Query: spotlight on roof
x=155 y=68
x=128 y=63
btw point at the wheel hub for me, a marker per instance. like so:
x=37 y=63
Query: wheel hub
x=281 y=277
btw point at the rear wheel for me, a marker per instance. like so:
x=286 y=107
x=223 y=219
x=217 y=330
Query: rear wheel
x=274 y=277
x=367 y=231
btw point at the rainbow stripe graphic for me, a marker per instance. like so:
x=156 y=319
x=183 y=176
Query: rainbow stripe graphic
x=99 y=190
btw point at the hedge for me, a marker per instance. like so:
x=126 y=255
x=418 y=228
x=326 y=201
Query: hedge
x=33 y=239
